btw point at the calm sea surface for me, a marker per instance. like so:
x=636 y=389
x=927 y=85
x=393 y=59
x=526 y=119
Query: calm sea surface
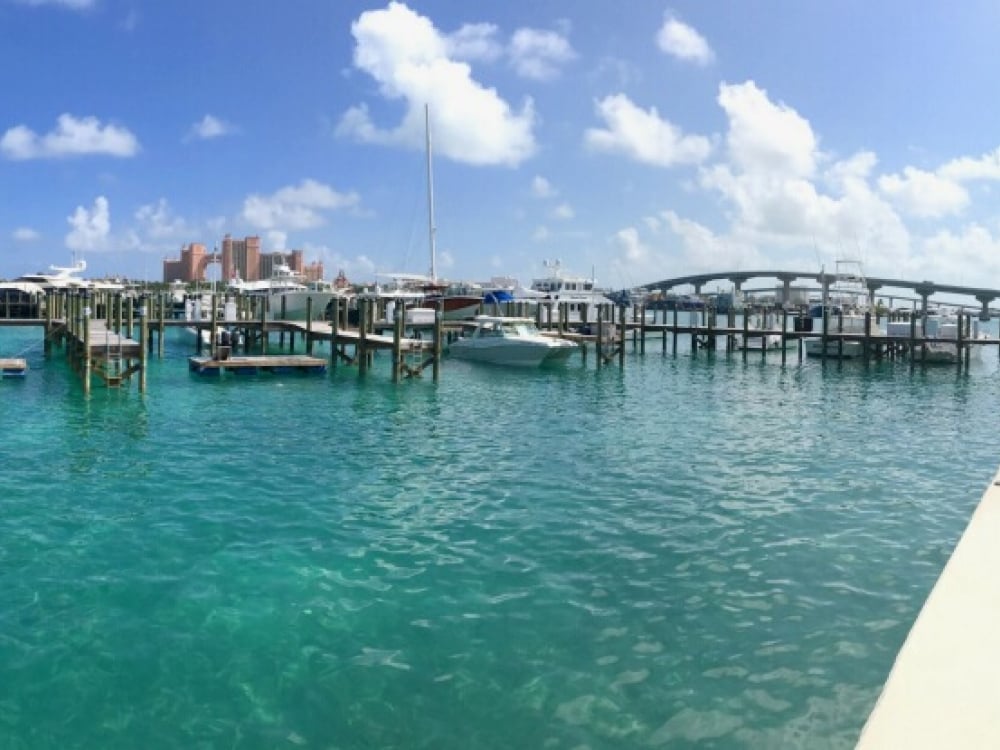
x=688 y=552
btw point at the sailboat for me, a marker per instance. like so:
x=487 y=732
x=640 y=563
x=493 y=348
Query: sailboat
x=420 y=295
x=455 y=301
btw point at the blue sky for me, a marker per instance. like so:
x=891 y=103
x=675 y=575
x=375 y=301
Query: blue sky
x=635 y=141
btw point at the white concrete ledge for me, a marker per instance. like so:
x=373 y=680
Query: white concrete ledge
x=944 y=689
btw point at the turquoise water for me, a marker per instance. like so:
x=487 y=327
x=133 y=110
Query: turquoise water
x=688 y=552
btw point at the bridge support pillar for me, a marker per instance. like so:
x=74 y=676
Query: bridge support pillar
x=984 y=312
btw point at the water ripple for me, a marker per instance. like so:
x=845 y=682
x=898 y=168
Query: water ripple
x=683 y=552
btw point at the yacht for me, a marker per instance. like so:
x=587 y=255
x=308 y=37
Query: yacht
x=25 y=295
x=58 y=277
x=401 y=291
x=561 y=288
x=505 y=340
x=941 y=330
x=295 y=302
x=288 y=293
x=846 y=310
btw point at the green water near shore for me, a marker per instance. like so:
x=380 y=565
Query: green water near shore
x=688 y=552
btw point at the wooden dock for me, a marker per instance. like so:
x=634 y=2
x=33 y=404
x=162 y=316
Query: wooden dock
x=256 y=364
x=110 y=336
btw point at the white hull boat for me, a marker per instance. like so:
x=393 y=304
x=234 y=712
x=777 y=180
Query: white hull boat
x=847 y=311
x=294 y=304
x=562 y=294
x=763 y=333
x=834 y=349
x=503 y=340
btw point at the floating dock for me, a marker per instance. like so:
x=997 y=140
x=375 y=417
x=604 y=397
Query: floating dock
x=254 y=365
x=13 y=368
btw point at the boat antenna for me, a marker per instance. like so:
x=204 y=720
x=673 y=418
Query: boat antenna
x=430 y=193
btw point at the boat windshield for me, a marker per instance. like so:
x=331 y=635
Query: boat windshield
x=506 y=329
x=519 y=328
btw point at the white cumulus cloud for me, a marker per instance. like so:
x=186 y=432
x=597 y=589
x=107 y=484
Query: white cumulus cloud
x=475 y=41
x=90 y=229
x=158 y=222
x=277 y=240
x=986 y=167
x=72 y=136
x=71 y=4
x=410 y=60
x=783 y=193
x=538 y=54
x=209 y=127
x=642 y=135
x=542 y=188
x=25 y=234
x=299 y=206
x=563 y=211
x=764 y=136
x=683 y=42
x=924 y=194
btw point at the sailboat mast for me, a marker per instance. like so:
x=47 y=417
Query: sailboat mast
x=430 y=193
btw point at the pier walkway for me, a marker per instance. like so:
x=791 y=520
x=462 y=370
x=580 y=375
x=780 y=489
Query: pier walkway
x=95 y=349
x=943 y=690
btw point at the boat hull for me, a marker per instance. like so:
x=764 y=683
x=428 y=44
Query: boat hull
x=834 y=349
x=514 y=354
x=455 y=307
x=938 y=352
x=295 y=305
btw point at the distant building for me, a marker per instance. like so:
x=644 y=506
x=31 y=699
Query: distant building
x=313 y=271
x=191 y=265
x=294 y=260
x=269 y=261
x=241 y=259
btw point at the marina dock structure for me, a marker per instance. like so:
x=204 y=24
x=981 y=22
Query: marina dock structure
x=222 y=362
x=96 y=331
x=108 y=335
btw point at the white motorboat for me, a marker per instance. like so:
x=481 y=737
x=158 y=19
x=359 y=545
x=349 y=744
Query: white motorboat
x=940 y=332
x=845 y=310
x=504 y=340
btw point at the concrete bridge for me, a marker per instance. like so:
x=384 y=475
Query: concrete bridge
x=924 y=289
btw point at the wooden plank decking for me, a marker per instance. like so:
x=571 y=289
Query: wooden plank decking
x=252 y=365
x=105 y=344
